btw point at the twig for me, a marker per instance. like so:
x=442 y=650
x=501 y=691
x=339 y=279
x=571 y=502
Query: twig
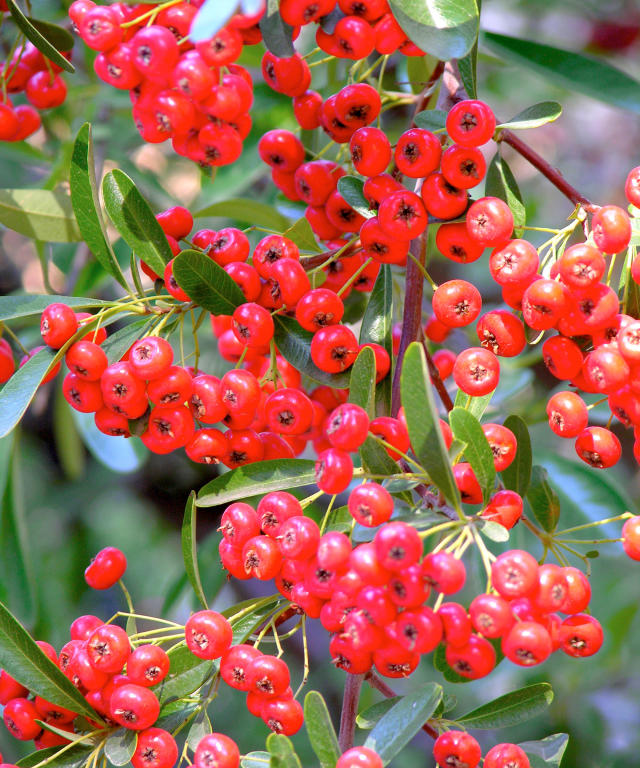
x=352 y=687
x=375 y=682
x=437 y=380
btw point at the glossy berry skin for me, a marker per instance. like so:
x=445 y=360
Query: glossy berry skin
x=370 y=151
x=347 y=427
x=490 y=615
x=456 y=303
x=108 y=649
x=397 y=546
x=444 y=572
x=134 y=707
x=581 y=635
x=489 y=221
x=262 y=558
x=528 y=643
x=106 y=568
x=359 y=757
x=268 y=676
x=10 y=688
x=19 y=716
x=463 y=167
x=515 y=574
x=370 y=504
x=334 y=349
x=441 y=199
x=456 y=748
x=503 y=444
x=234 y=665
x=598 y=447
x=505 y=508
x=418 y=153
x=156 y=748
x=631 y=537
x=147 y=665
x=208 y=634
x=288 y=411
x=470 y=123
x=611 y=229
x=57 y=324
x=473 y=660
x=86 y=360
x=514 y=262
x=506 y=756
x=568 y=414
x=150 y=357
x=402 y=215
x=502 y=333
x=215 y=750
x=334 y=470
x=476 y=371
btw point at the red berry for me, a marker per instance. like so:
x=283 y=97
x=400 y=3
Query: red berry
x=106 y=568
x=147 y=665
x=528 y=643
x=156 y=748
x=57 y=325
x=359 y=757
x=506 y=756
x=20 y=717
x=515 y=574
x=456 y=748
x=611 y=229
x=476 y=371
x=470 y=123
x=215 y=750
x=208 y=634
x=489 y=221
x=134 y=707
x=108 y=648
x=456 y=303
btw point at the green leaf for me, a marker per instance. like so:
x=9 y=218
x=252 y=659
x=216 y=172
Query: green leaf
x=532 y=117
x=370 y=716
x=546 y=752
x=38 y=38
x=467 y=429
x=419 y=69
x=339 y=519
x=574 y=71
x=431 y=119
x=18 y=392
x=186 y=674
x=500 y=182
x=475 y=405
x=247 y=624
x=511 y=709
x=40 y=214
x=120 y=746
x=294 y=344
x=400 y=724
x=189 y=548
x=423 y=422
x=301 y=234
x=134 y=220
x=59 y=37
x=248 y=211
x=255 y=760
x=320 y=730
x=75 y=757
x=282 y=753
x=86 y=204
x=362 y=381
x=116 y=344
x=31 y=667
x=376 y=327
x=277 y=35
x=493 y=530
x=544 y=501
x=447 y=29
x=467 y=67
x=206 y=283
x=256 y=479
x=200 y=727
x=517 y=475
x=30 y=304
x=175 y=713
x=351 y=188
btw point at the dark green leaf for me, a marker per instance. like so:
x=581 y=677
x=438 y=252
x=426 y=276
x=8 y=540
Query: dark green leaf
x=277 y=35
x=75 y=757
x=38 y=38
x=134 y=220
x=501 y=183
x=339 y=519
x=247 y=624
x=189 y=554
x=574 y=71
x=399 y=725
x=423 y=422
x=517 y=475
x=534 y=116
x=256 y=479
x=467 y=429
x=40 y=214
x=186 y=674
x=248 y=211
x=23 y=659
x=543 y=499
x=18 y=392
x=320 y=730
x=511 y=709
x=116 y=344
x=27 y=305
x=370 y=716
x=255 y=760
x=175 y=713
x=547 y=752
x=294 y=344
x=397 y=484
x=475 y=405
x=200 y=727
x=86 y=204
x=467 y=67
x=282 y=752
x=362 y=381
x=206 y=283
x=377 y=326
x=301 y=234
x=59 y=37
x=447 y=29
x=431 y=119
x=351 y=188
x=120 y=746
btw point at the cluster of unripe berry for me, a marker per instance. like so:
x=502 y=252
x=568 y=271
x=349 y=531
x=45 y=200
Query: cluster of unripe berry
x=28 y=72
x=195 y=95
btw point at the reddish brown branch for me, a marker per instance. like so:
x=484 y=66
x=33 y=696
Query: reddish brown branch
x=350 y=698
x=437 y=381
x=375 y=682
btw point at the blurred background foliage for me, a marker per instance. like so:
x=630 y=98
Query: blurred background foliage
x=62 y=502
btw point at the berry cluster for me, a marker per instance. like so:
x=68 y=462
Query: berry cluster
x=197 y=96
x=28 y=72
x=460 y=748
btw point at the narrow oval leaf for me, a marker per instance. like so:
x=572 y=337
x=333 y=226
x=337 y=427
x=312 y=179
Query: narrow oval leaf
x=447 y=29
x=206 y=283
x=467 y=66
x=18 y=392
x=248 y=211
x=73 y=757
x=532 y=117
x=362 y=381
x=294 y=344
x=256 y=479
x=24 y=660
x=116 y=344
x=431 y=119
x=255 y=760
x=574 y=71
x=277 y=35
x=247 y=624
x=493 y=530
x=59 y=37
x=189 y=554
x=370 y=716
x=423 y=422
x=86 y=204
x=500 y=182
x=40 y=214
x=301 y=234
x=37 y=38
x=400 y=724
x=282 y=752
x=320 y=730
x=517 y=475
x=467 y=429
x=200 y=727
x=547 y=751
x=212 y=16
x=544 y=501
x=186 y=674
x=120 y=746
x=475 y=405
x=376 y=327
x=134 y=220
x=174 y=714
x=351 y=188
x=30 y=304
x=511 y=709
